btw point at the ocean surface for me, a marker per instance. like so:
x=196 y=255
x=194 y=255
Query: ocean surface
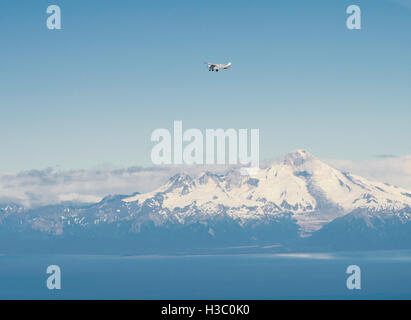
x=384 y=275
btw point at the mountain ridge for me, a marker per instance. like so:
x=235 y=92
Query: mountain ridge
x=296 y=198
x=300 y=183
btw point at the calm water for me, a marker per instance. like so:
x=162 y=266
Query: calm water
x=385 y=275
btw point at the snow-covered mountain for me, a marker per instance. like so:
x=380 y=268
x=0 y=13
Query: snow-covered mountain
x=312 y=191
x=298 y=199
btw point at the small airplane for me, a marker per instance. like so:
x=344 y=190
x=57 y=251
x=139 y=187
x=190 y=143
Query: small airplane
x=216 y=67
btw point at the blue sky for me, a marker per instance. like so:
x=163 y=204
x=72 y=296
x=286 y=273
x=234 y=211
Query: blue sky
x=90 y=95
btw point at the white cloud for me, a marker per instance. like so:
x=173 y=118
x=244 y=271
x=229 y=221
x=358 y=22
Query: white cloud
x=49 y=186
x=389 y=169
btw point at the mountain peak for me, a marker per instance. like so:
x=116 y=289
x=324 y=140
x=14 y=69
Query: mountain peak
x=180 y=180
x=297 y=157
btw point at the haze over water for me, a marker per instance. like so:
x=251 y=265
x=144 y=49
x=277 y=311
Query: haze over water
x=385 y=275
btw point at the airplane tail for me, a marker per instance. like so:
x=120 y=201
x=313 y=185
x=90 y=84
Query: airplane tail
x=228 y=65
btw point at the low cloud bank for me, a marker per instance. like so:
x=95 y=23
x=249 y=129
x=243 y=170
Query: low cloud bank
x=50 y=186
x=386 y=168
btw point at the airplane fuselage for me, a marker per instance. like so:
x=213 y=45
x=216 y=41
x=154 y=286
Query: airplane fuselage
x=216 y=67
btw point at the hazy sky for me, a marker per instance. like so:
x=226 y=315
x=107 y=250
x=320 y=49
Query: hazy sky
x=91 y=94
